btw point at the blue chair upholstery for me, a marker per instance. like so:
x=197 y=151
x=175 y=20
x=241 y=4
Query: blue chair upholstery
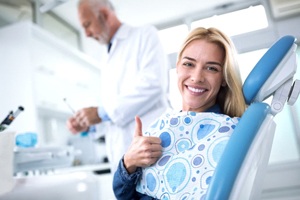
x=239 y=173
x=265 y=67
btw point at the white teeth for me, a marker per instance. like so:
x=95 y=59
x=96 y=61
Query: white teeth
x=195 y=89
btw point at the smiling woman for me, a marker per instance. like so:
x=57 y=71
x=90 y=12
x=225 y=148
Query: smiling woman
x=207 y=61
x=178 y=153
x=200 y=75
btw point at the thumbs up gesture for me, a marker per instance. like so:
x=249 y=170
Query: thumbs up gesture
x=143 y=151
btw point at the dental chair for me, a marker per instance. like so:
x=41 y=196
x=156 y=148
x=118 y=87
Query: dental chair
x=240 y=172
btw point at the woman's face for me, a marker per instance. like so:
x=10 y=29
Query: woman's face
x=200 y=75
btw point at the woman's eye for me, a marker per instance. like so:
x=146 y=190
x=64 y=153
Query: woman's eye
x=188 y=64
x=212 y=68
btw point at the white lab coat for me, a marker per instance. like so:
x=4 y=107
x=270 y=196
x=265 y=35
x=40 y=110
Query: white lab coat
x=134 y=82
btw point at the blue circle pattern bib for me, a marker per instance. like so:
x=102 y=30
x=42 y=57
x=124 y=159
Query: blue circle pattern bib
x=192 y=145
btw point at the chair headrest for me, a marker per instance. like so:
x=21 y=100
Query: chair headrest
x=264 y=69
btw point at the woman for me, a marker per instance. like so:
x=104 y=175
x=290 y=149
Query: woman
x=177 y=155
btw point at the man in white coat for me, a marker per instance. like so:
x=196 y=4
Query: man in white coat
x=134 y=80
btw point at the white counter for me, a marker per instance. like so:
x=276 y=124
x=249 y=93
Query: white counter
x=76 y=183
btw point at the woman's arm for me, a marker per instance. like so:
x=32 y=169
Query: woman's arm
x=124 y=183
x=143 y=151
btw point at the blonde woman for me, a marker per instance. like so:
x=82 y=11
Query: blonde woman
x=175 y=158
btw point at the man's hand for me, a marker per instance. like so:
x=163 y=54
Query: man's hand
x=143 y=151
x=83 y=119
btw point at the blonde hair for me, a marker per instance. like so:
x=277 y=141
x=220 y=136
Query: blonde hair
x=230 y=98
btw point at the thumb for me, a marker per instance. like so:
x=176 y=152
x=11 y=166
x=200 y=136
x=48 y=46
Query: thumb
x=138 y=127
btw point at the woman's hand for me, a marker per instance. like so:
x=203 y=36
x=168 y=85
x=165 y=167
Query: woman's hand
x=143 y=151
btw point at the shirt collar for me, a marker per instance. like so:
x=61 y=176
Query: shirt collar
x=122 y=32
x=215 y=108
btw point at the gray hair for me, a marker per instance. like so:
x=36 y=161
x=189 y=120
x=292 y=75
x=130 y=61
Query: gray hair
x=97 y=3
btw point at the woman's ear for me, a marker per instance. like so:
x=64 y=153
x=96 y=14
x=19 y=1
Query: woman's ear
x=224 y=84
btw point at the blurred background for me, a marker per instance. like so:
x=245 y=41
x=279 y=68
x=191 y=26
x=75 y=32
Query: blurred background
x=45 y=59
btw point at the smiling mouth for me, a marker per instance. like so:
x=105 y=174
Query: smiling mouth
x=195 y=90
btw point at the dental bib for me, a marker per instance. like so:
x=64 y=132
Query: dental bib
x=192 y=145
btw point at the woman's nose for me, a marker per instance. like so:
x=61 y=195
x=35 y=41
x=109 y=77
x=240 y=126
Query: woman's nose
x=197 y=76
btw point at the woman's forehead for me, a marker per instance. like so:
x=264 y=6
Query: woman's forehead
x=203 y=49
